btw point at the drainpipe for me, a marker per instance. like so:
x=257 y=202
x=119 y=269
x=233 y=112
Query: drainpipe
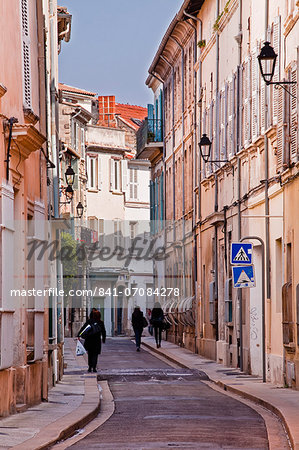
x=238 y=120
x=183 y=160
x=216 y=178
x=267 y=208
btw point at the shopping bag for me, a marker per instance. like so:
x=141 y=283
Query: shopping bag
x=80 y=350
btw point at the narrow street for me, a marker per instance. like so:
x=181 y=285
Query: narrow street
x=159 y=406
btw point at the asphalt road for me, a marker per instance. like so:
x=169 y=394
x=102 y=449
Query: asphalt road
x=158 y=407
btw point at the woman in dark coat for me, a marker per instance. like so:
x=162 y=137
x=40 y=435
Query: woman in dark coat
x=93 y=341
x=138 y=324
x=157 y=318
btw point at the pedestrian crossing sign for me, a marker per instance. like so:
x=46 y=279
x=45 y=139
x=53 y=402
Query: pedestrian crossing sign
x=241 y=253
x=243 y=276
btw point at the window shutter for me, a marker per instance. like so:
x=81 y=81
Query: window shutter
x=82 y=142
x=88 y=172
x=294 y=114
x=156 y=204
x=205 y=130
x=222 y=123
x=162 y=198
x=26 y=55
x=281 y=143
x=255 y=95
x=77 y=136
x=75 y=167
x=247 y=102
x=230 y=130
x=276 y=39
x=124 y=175
x=135 y=183
x=151 y=204
x=99 y=173
x=112 y=175
x=211 y=135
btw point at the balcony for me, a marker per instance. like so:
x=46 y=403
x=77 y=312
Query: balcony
x=150 y=139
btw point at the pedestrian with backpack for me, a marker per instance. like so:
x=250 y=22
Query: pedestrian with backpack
x=157 y=322
x=93 y=332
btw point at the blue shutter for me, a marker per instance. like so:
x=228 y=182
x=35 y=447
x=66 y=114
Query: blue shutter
x=150 y=117
x=156 y=205
x=162 y=198
x=151 y=205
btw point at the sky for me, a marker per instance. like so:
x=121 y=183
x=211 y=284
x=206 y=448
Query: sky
x=113 y=43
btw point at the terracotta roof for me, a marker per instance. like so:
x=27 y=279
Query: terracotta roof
x=66 y=88
x=130 y=112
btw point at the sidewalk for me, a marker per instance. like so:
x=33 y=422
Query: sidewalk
x=73 y=402
x=283 y=402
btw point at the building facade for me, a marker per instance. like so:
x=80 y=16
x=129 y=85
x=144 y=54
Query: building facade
x=25 y=367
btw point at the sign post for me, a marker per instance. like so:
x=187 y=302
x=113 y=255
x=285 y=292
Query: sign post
x=263 y=301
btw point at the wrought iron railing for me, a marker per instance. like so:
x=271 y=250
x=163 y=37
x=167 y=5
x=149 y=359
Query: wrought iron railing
x=151 y=130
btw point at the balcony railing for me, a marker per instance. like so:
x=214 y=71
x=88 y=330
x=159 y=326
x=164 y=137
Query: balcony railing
x=150 y=131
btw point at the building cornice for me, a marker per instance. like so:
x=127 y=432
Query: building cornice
x=27 y=139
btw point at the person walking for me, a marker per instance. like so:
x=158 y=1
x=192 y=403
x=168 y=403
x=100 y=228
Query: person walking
x=138 y=323
x=157 y=318
x=94 y=332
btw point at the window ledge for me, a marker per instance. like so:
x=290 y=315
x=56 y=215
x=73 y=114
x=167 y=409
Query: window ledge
x=116 y=192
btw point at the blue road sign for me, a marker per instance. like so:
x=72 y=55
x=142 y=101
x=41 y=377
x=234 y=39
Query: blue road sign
x=243 y=276
x=241 y=253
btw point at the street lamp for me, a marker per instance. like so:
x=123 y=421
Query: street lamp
x=267 y=60
x=205 y=147
x=69 y=176
x=80 y=209
x=69 y=193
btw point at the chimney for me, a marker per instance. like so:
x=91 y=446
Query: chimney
x=107 y=111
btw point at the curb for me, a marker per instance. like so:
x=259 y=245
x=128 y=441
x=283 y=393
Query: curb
x=67 y=425
x=238 y=392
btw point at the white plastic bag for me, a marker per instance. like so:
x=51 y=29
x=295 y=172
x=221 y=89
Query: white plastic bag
x=80 y=350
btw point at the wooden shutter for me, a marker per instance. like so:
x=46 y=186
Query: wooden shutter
x=281 y=106
x=112 y=175
x=230 y=131
x=222 y=140
x=276 y=42
x=294 y=114
x=99 y=173
x=255 y=74
x=124 y=175
x=247 y=101
x=162 y=198
x=26 y=55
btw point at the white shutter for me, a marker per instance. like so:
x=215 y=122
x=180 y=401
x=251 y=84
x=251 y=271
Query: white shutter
x=255 y=123
x=112 y=175
x=77 y=136
x=99 y=173
x=88 y=172
x=222 y=139
x=26 y=55
x=276 y=39
x=135 y=184
x=124 y=175
x=294 y=114
x=247 y=102
x=230 y=149
x=280 y=129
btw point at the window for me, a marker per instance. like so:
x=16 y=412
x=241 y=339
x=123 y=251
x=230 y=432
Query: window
x=133 y=184
x=115 y=175
x=94 y=172
x=133 y=230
